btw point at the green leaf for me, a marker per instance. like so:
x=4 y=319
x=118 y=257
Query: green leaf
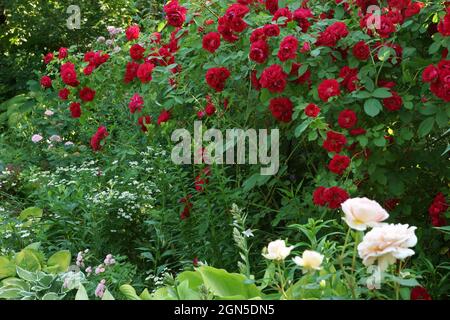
x=301 y=128
x=7 y=268
x=372 y=107
x=81 y=293
x=145 y=295
x=60 y=260
x=224 y=284
x=380 y=142
x=10 y=293
x=107 y=295
x=51 y=296
x=129 y=292
x=265 y=95
x=26 y=275
x=385 y=53
x=30 y=213
x=406 y=134
x=425 y=127
x=194 y=279
x=382 y=93
x=27 y=259
x=434 y=48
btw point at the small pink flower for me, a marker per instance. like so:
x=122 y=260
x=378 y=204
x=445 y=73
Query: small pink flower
x=36 y=138
x=100 y=290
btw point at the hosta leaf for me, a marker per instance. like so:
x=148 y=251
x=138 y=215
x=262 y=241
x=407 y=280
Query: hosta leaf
x=81 y=293
x=60 y=260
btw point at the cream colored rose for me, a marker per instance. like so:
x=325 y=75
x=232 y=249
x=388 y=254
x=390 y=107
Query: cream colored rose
x=361 y=213
x=387 y=243
x=310 y=260
x=277 y=250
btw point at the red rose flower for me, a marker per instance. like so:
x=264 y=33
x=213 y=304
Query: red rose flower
x=64 y=94
x=164 y=117
x=271 y=30
x=281 y=109
x=137 y=52
x=339 y=164
x=301 y=16
x=132 y=32
x=420 y=293
x=175 y=14
x=88 y=70
x=136 y=103
x=258 y=34
x=334 y=142
x=361 y=51
x=387 y=27
x=437 y=209
x=430 y=74
x=69 y=75
x=393 y=103
x=347 y=119
x=216 y=78
x=272 y=6
x=211 y=42
x=283 y=13
x=98 y=137
x=444 y=25
x=87 y=94
x=413 y=9
x=75 y=110
x=328 y=88
x=131 y=71
x=144 y=72
x=46 y=82
x=274 y=79
x=143 y=121
x=48 y=58
x=288 y=48
x=62 y=53
x=312 y=110
x=259 y=51
x=318 y=196
x=334 y=197
x=332 y=34
x=357 y=132
x=202 y=179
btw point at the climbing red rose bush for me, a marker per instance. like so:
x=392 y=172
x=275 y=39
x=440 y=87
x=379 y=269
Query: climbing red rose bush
x=361 y=99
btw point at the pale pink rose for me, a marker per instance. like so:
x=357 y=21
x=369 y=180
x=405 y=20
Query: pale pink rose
x=309 y=261
x=49 y=113
x=361 y=213
x=55 y=138
x=277 y=250
x=387 y=243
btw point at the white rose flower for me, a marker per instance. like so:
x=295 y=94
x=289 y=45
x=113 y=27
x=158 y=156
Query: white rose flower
x=277 y=250
x=361 y=213
x=310 y=260
x=386 y=244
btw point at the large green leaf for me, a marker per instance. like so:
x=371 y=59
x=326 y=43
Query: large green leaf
x=27 y=259
x=193 y=278
x=81 y=293
x=224 y=284
x=129 y=292
x=7 y=268
x=59 y=262
x=32 y=212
